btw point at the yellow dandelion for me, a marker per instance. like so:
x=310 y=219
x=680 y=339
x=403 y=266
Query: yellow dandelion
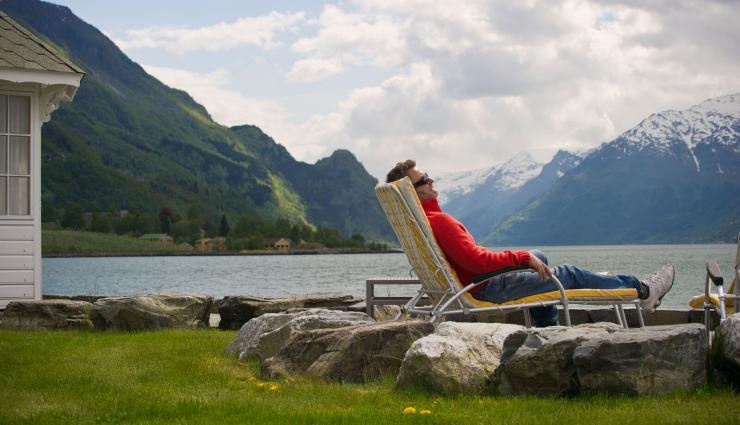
x=425 y=412
x=273 y=387
x=260 y=385
x=409 y=411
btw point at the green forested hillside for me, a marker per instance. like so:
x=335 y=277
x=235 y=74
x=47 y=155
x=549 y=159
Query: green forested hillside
x=130 y=142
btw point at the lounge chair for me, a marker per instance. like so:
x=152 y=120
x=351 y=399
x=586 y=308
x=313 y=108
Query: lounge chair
x=722 y=302
x=439 y=283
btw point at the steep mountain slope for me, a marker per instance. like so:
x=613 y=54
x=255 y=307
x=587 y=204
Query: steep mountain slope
x=129 y=141
x=675 y=177
x=481 y=199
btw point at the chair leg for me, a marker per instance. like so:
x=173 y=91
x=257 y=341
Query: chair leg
x=619 y=316
x=527 y=318
x=707 y=325
x=566 y=314
x=624 y=316
x=640 y=320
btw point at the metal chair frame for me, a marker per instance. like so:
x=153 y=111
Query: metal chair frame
x=714 y=275
x=449 y=300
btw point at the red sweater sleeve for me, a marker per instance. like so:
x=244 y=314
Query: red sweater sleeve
x=459 y=245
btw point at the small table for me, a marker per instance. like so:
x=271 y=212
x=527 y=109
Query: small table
x=371 y=300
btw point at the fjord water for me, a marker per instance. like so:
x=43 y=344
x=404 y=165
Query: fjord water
x=287 y=275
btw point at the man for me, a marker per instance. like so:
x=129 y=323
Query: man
x=468 y=260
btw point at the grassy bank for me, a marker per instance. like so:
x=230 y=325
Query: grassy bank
x=182 y=377
x=77 y=242
x=82 y=243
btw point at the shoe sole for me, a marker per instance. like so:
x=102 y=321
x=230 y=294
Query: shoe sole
x=657 y=303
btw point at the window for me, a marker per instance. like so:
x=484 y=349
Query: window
x=15 y=155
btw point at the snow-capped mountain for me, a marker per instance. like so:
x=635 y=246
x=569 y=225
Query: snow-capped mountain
x=482 y=198
x=674 y=177
x=712 y=121
x=452 y=185
x=692 y=126
x=507 y=176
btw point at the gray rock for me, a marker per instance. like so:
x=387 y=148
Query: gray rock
x=729 y=343
x=659 y=317
x=456 y=358
x=650 y=360
x=235 y=311
x=89 y=298
x=697 y=316
x=538 y=361
x=381 y=313
x=47 y=314
x=265 y=335
x=349 y=354
x=154 y=311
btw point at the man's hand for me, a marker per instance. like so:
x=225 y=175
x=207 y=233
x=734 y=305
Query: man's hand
x=540 y=267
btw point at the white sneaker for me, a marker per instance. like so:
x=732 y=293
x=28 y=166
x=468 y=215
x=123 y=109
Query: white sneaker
x=659 y=284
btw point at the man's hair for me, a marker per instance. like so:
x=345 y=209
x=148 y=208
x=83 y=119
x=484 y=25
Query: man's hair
x=399 y=171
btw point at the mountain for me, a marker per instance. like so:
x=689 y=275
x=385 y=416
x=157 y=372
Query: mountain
x=483 y=198
x=129 y=141
x=674 y=178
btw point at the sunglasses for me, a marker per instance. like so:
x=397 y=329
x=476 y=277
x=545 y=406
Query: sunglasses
x=425 y=179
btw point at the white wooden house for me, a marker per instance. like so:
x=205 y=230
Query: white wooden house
x=34 y=79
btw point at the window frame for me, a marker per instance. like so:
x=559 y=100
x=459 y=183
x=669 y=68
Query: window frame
x=31 y=160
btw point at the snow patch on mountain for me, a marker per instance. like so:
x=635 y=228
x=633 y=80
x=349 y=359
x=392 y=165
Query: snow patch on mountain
x=460 y=183
x=507 y=176
x=517 y=171
x=712 y=117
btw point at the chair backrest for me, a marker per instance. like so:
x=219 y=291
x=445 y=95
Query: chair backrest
x=406 y=216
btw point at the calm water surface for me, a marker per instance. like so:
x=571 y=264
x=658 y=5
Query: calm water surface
x=284 y=275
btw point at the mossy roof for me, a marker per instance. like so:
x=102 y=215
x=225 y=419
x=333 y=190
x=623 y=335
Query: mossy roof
x=20 y=49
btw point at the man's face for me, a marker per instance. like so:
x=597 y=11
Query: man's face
x=424 y=191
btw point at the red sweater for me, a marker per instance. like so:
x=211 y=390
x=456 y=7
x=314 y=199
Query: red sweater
x=467 y=258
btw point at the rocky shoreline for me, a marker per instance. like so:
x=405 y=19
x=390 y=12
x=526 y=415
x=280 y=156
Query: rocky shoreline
x=333 y=338
x=218 y=254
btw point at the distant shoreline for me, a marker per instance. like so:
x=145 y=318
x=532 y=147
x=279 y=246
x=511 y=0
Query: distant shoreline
x=215 y=254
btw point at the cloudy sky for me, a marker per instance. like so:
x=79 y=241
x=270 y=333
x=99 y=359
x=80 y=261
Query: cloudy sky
x=455 y=85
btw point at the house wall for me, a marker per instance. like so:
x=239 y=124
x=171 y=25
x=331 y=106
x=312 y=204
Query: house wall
x=20 y=236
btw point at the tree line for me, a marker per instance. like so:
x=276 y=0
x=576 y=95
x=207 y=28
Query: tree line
x=249 y=231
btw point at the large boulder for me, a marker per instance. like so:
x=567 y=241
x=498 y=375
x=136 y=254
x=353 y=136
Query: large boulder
x=456 y=358
x=729 y=344
x=348 y=354
x=381 y=313
x=642 y=361
x=265 y=335
x=235 y=311
x=658 y=317
x=539 y=361
x=151 y=311
x=47 y=314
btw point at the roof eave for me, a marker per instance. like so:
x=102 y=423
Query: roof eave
x=47 y=78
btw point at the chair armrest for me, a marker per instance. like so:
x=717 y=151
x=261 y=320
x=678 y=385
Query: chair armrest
x=487 y=276
x=714 y=273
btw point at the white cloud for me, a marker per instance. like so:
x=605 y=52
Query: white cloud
x=352 y=38
x=314 y=69
x=478 y=81
x=259 y=31
x=227 y=106
x=465 y=84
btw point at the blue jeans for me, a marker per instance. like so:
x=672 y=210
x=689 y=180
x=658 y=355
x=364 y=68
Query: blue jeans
x=501 y=289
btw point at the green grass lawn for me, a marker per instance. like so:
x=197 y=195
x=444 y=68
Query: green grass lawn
x=182 y=377
x=79 y=242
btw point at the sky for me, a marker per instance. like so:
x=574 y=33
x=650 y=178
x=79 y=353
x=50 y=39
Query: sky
x=454 y=85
